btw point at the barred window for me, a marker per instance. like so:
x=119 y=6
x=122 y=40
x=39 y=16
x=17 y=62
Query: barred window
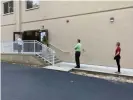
x=32 y=4
x=8 y=7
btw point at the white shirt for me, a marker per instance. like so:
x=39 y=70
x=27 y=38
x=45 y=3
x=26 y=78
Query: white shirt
x=19 y=41
x=42 y=35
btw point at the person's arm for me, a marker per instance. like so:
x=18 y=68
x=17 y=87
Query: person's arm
x=76 y=47
x=21 y=41
x=119 y=50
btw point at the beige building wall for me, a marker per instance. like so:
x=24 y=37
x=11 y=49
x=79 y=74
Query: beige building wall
x=10 y=22
x=7 y=32
x=54 y=9
x=97 y=34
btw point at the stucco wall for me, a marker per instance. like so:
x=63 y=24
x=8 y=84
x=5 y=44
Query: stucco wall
x=7 y=32
x=9 y=22
x=97 y=34
x=7 y=19
x=54 y=9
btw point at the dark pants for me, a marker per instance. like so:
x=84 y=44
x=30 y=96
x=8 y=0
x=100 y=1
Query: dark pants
x=77 y=56
x=117 y=58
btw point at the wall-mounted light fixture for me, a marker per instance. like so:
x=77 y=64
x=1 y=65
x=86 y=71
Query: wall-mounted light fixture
x=67 y=21
x=112 y=19
x=42 y=28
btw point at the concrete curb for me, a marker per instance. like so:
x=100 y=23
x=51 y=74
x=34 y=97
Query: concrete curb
x=101 y=73
x=26 y=64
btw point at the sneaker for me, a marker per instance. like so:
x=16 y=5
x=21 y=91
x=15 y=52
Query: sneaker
x=117 y=72
x=77 y=67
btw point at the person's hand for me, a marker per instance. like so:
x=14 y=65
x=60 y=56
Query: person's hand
x=83 y=50
x=114 y=57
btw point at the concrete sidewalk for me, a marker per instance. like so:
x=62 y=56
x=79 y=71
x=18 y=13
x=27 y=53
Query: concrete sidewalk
x=63 y=66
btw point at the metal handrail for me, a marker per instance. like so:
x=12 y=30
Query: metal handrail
x=53 y=52
x=8 y=47
x=45 y=46
x=59 y=49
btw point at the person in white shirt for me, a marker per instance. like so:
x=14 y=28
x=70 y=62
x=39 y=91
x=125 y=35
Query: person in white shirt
x=42 y=35
x=19 y=43
x=44 y=39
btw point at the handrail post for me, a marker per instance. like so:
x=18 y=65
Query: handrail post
x=53 y=57
x=34 y=47
x=2 y=48
x=22 y=47
x=12 y=47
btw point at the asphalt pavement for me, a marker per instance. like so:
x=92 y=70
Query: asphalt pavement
x=20 y=82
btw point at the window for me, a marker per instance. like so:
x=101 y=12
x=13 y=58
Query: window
x=8 y=7
x=32 y=4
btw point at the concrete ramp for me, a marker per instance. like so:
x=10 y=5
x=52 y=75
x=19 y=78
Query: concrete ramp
x=95 y=69
x=61 y=67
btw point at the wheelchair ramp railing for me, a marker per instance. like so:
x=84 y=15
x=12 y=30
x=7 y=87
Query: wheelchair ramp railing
x=29 y=47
